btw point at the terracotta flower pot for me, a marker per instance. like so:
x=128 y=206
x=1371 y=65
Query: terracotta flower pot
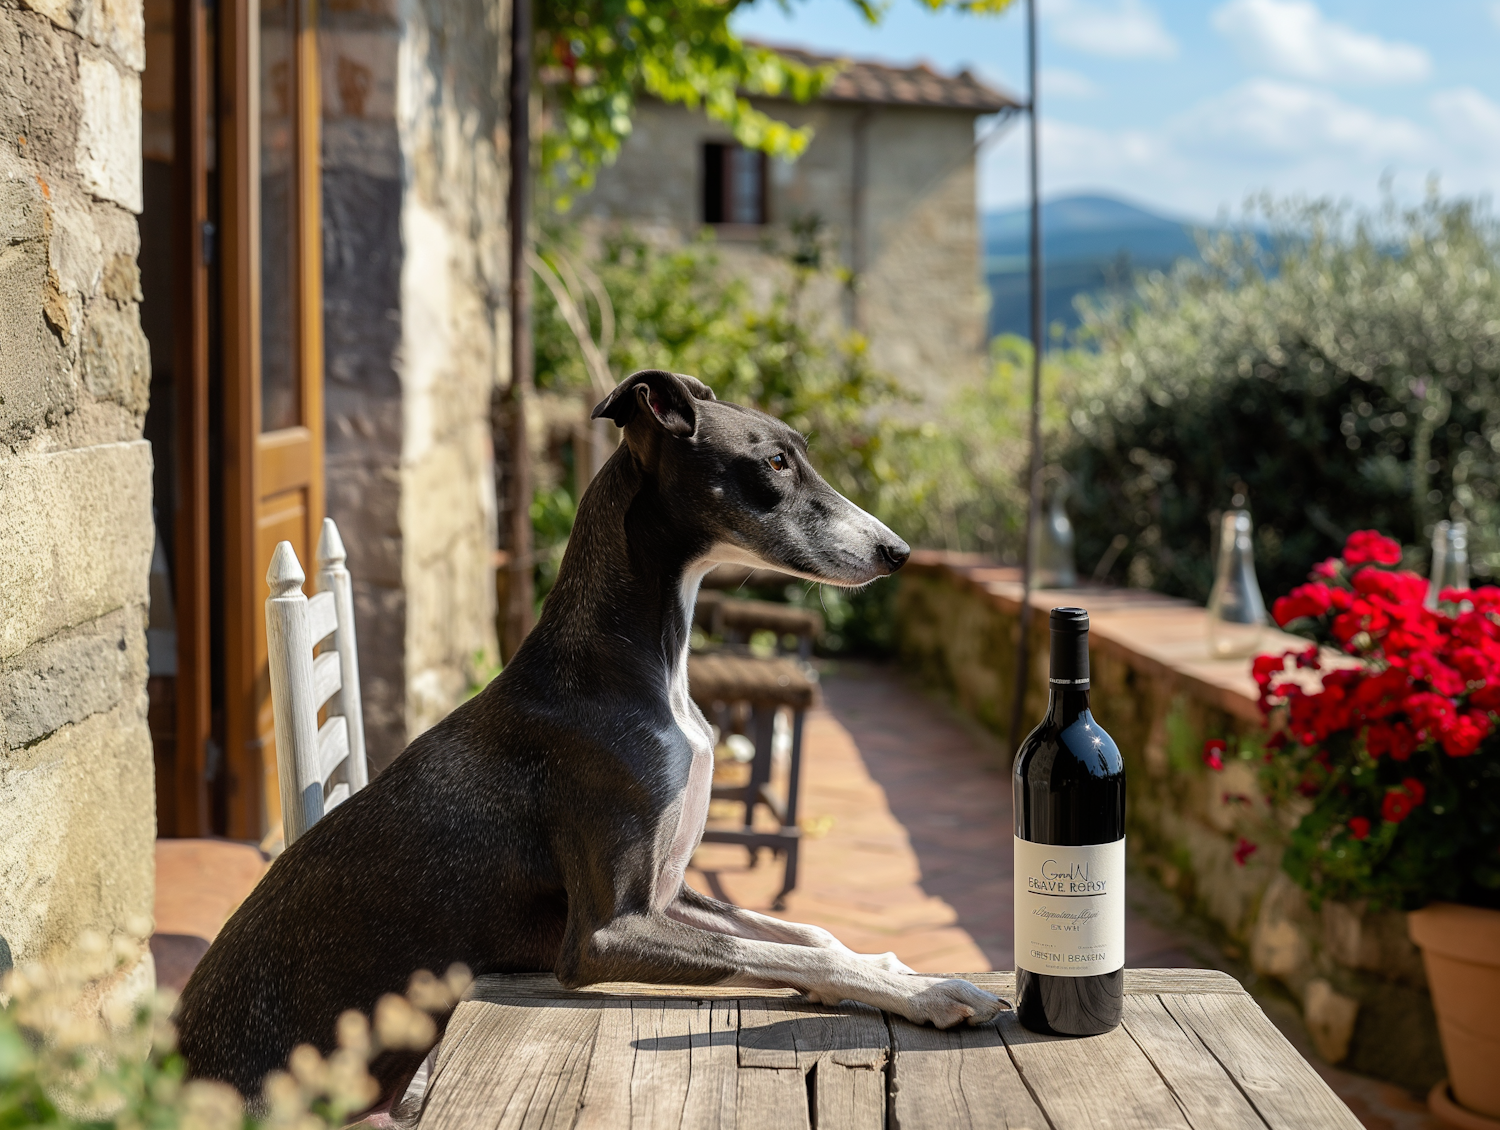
x=1461 y=950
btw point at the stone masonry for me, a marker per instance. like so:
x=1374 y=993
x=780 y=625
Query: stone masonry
x=415 y=268
x=77 y=814
x=920 y=300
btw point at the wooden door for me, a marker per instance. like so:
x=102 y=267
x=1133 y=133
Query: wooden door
x=273 y=410
x=193 y=254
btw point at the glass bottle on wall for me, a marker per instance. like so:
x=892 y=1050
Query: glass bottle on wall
x=1236 y=610
x=1052 y=537
x=1450 y=559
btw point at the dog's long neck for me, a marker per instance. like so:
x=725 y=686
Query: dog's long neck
x=621 y=608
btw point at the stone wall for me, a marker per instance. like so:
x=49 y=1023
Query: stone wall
x=415 y=262
x=77 y=817
x=1355 y=973
x=919 y=298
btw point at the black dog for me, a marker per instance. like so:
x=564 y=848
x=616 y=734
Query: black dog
x=547 y=823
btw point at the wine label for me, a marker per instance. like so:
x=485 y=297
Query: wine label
x=1070 y=908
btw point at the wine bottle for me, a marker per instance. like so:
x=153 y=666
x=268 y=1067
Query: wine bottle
x=1069 y=796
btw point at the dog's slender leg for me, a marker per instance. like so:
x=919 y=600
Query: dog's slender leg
x=650 y=946
x=707 y=913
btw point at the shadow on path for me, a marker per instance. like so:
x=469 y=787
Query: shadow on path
x=946 y=786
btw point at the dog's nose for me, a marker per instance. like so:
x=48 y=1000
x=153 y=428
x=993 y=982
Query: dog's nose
x=894 y=556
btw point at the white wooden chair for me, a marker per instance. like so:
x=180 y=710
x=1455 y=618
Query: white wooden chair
x=318 y=767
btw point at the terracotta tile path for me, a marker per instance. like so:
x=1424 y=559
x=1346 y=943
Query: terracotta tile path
x=907 y=847
x=914 y=854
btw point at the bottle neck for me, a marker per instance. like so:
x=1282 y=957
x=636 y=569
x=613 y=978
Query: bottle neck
x=1068 y=676
x=1065 y=704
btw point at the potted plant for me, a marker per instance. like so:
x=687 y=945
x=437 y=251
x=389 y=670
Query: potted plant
x=1387 y=728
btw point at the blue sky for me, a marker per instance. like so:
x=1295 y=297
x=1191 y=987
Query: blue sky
x=1191 y=106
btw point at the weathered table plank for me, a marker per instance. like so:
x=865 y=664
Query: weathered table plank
x=1106 y=1083
x=1194 y=1053
x=1279 y=1083
x=1194 y=1077
x=963 y=1078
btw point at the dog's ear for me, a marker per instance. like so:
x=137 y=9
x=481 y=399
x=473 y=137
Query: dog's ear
x=665 y=397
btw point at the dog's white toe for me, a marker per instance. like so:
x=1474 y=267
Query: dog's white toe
x=946 y=1003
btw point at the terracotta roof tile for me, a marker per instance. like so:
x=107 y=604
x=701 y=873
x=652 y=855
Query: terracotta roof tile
x=904 y=86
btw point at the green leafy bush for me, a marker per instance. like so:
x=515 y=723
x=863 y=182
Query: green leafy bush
x=1347 y=378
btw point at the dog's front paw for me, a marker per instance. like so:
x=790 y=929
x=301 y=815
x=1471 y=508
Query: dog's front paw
x=886 y=961
x=946 y=1003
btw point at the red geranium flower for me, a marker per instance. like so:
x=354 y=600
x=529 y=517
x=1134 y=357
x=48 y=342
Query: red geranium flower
x=1213 y=753
x=1424 y=683
x=1304 y=600
x=1327 y=570
x=1244 y=850
x=1463 y=734
x=1365 y=546
x=1487 y=697
x=1397 y=806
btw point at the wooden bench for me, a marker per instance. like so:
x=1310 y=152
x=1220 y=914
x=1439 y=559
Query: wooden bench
x=720 y=681
x=737 y=620
x=1195 y=1051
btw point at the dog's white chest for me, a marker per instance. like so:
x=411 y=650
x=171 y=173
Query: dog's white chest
x=690 y=820
x=692 y=814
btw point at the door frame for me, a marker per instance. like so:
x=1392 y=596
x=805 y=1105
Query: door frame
x=193 y=249
x=252 y=804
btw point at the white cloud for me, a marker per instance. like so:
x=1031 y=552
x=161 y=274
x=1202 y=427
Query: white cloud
x=1264 y=134
x=1264 y=118
x=1057 y=82
x=1120 y=29
x=1467 y=118
x=1295 y=38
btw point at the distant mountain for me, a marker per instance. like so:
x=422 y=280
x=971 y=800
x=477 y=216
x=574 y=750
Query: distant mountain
x=1090 y=244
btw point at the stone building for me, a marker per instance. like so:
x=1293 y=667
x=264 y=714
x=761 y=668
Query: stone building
x=889 y=175
x=252 y=272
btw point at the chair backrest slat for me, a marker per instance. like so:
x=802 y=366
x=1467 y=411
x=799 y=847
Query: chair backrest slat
x=326 y=678
x=334 y=578
x=308 y=756
x=322 y=615
x=333 y=747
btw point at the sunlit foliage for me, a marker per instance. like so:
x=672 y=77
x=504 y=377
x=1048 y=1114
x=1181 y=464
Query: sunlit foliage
x=1347 y=378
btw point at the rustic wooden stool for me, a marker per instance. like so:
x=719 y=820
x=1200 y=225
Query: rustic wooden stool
x=722 y=680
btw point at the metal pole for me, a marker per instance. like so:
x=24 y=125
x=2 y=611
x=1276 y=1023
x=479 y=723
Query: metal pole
x=1034 y=464
x=518 y=610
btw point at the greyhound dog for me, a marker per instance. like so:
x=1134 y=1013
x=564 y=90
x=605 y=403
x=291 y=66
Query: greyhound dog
x=546 y=824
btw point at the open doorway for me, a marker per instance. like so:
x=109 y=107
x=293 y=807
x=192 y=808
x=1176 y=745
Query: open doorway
x=231 y=284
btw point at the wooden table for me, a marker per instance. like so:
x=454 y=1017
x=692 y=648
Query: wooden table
x=1195 y=1051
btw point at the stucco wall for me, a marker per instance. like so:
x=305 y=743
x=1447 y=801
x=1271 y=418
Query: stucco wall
x=920 y=296
x=414 y=190
x=77 y=817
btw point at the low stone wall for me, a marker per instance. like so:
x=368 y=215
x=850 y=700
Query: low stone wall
x=1357 y=975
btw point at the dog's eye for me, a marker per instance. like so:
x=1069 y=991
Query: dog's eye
x=779 y=462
